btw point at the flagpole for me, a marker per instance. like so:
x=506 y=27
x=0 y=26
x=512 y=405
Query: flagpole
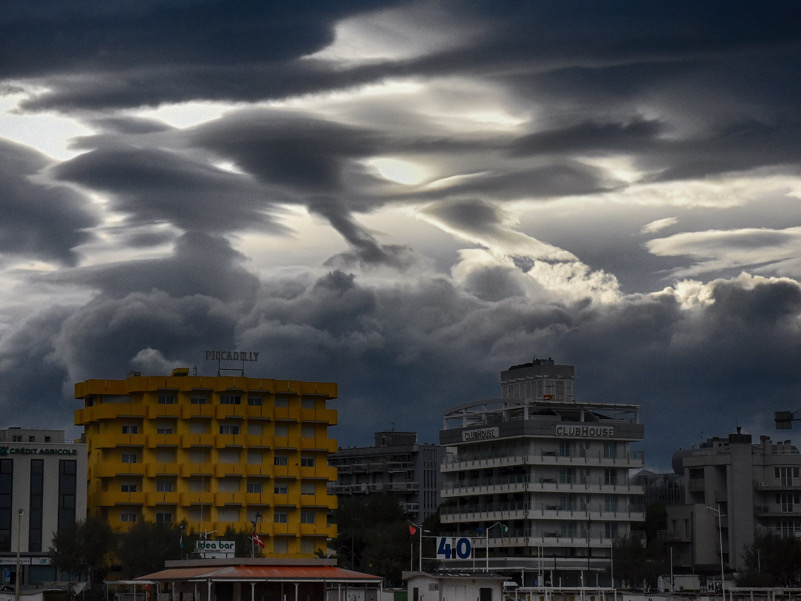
x=420 y=552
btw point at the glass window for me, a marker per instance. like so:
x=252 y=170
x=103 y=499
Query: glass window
x=280 y=460
x=307 y=517
x=254 y=487
x=164 y=485
x=127 y=516
x=197 y=400
x=129 y=458
x=129 y=429
x=164 y=516
x=307 y=461
x=166 y=399
x=229 y=399
x=125 y=487
x=280 y=517
x=280 y=488
x=229 y=429
x=254 y=401
x=307 y=432
x=306 y=403
x=307 y=488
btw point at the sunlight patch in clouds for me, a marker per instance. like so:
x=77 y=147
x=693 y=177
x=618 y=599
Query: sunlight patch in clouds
x=398 y=170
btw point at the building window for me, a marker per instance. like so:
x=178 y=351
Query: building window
x=281 y=401
x=128 y=429
x=254 y=487
x=166 y=399
x=306 y=403
x=164 y=486
x=127 y=487
x=197 y=400
x=229 y=429
x=281 y=460
x=307 y=432
x=229 y=399
x=254 y=401
x=307 y=517
x=129 y=458
x=164 y=430
x=31 y=439
x=280 y=488
x=610 y=476
x=610 y=450
x=16 y=438
x=307 y=488
x=164 y=516
x=610 y=530
x=67 y=491
x=36 y=506
x=610 y=503
x=565 y=475
x=564 y=448
x=128 y=516
x=280 y=517
x=306 y=461
x=787 y=501
x=281 y=430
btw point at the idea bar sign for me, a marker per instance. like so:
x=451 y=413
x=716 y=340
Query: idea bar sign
x=215 y=549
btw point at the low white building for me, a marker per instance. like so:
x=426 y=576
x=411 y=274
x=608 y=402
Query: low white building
x=422 y=586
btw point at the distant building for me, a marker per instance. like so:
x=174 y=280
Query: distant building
x=395 y=464
x=659 y=488
x=541 y=484
x=213 y=451
x=541 y=379
x=42 y=491
x=734 y=490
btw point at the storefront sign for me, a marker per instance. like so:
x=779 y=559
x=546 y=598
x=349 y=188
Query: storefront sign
x=482 y=434
x=36 y=451
x=585 y=431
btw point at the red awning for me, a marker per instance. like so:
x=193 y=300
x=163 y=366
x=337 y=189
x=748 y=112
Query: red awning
x=269 y=573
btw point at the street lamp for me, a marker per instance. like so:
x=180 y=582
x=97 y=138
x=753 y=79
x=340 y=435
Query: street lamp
x=503 y=529
x=720 y=542
x=19 y=536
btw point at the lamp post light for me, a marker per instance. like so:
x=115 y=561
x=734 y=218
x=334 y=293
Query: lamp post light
x=503 y=529
x=720 y=542
x=19 y=536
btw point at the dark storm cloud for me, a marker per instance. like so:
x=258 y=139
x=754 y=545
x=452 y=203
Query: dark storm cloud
x=152 y=186
x=188 y=272
x=39 y=220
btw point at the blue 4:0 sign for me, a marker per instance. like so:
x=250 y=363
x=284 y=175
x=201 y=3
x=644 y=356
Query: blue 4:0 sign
x=453 y=548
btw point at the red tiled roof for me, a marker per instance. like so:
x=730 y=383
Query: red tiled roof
x=275 y=573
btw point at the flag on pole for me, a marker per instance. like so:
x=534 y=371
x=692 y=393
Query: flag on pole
x=257 y=540
x=412 y=530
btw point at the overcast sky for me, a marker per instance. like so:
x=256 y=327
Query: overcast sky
x=407 y=198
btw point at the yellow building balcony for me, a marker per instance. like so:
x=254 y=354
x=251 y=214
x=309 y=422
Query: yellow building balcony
x=96 y=413
x=197 y=411
x=224 y=470
x=162 y=469
x=229 y=440
x=321 y=415
x=258 y=470
x=113 y=469
x=257 y=412
x=322 y=472
x=197 y=440
x=229 y=412
x=163 y=440
x=112 y=498
x=318 y=530
x=162 y=498
x=323 y=444
x=157 y=410
x=199 y=470
x=287 y=414
x=257 y=442
x=318 y=500
x=196 y=498
x=228 y=498
x=111 y=441
x=258 y=498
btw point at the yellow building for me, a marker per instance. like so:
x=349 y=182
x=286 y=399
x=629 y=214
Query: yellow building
x=213 y=451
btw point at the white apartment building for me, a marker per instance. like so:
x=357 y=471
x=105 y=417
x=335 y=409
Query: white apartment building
x=42 y=490
x=735 y=490
x=541 y=486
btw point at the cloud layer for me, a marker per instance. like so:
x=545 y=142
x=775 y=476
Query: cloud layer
x=407 y=198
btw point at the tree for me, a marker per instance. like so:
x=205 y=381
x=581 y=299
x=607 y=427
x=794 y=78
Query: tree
x=373 y=536
x=637 y=564
x=243 y=542
x=771 y=561
x=146 y=546
x=84 y=549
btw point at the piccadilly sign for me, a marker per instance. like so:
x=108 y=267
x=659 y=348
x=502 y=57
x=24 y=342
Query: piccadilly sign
x=232 y=356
